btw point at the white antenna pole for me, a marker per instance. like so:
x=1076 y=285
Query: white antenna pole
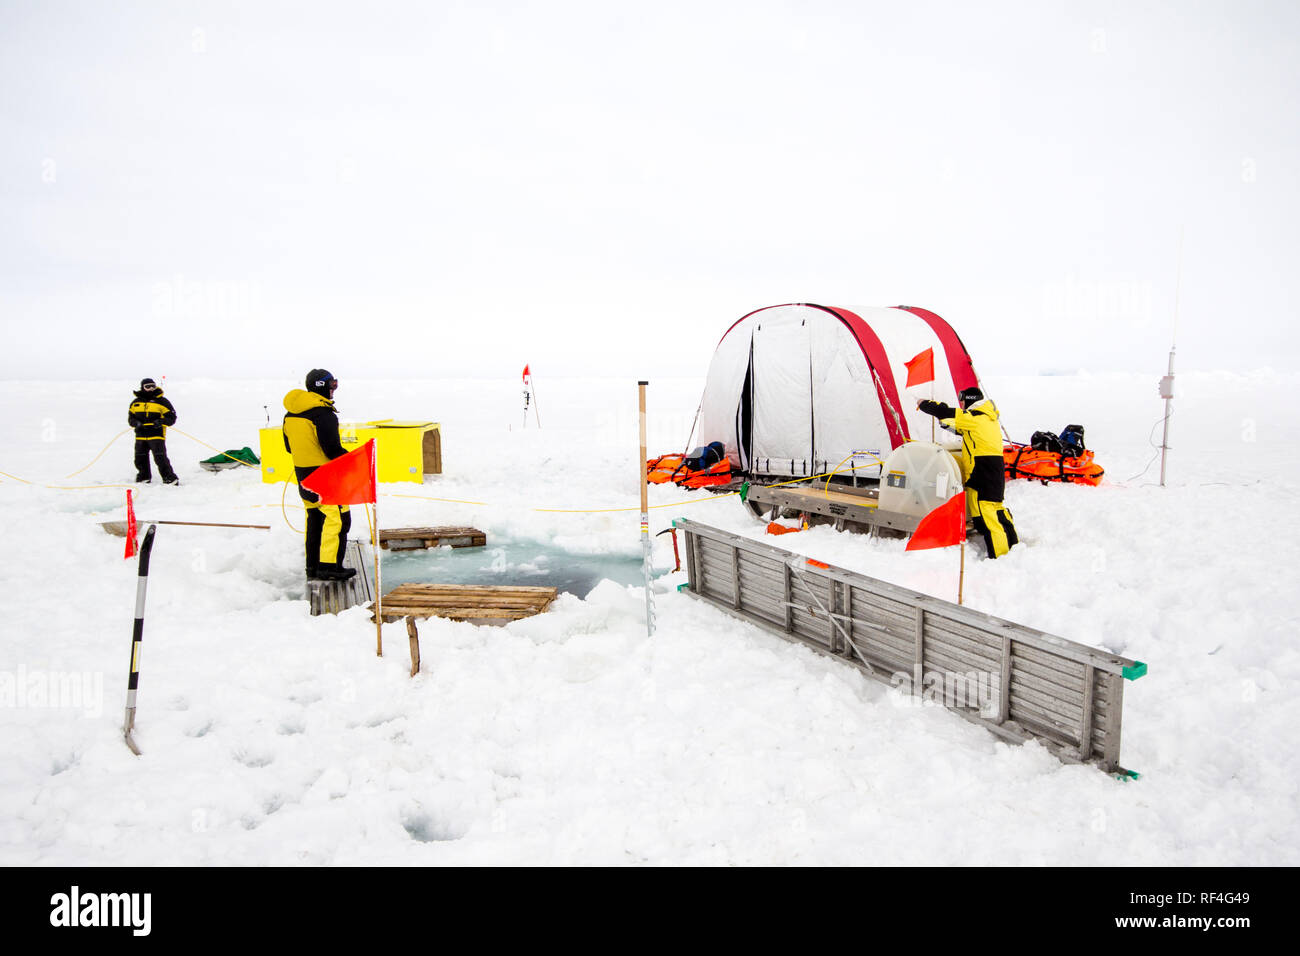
x=1167 y=383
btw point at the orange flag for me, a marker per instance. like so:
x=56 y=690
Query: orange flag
x=920 y=368
x=130 y=526
x=944 y=526
x=349 y=480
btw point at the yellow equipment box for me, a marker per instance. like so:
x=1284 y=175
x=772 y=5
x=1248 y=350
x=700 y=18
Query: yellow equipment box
x=405 y=451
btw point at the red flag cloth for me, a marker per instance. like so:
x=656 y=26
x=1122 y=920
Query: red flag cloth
x=525 y=373
x=944 y=526
x=920 y=368
x=130 y=526
x=776 y=528
x=349 y=480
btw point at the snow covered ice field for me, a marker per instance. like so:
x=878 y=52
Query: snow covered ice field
x=271 y=737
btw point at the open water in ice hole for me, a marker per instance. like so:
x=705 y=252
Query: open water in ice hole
x=510 y=562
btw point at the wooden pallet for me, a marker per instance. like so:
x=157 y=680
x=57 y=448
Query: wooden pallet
x=410 y=539
x=460 y=602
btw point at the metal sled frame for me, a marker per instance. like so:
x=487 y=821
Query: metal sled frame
x=1025 y=684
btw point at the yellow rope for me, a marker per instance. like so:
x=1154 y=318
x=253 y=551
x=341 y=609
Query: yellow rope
x=458 y=501
x=370 y=523
x=826 y=490
x=675 y=504
x=598 y=511
x=483 y=504
x=37 y=484
x=284 y=491
x=99 y=456
x=214 y=448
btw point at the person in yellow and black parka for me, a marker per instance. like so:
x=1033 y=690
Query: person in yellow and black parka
x=981 y=465
x=150 y=414
x=311 y=434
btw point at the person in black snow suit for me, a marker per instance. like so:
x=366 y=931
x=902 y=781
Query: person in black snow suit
x=311 y=436
x=150 y=414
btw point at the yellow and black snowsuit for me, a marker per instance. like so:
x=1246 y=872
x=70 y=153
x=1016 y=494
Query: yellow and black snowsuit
x=311 y=434
x=982 y=469
x=150 y=414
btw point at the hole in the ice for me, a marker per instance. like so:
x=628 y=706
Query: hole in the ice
x=254 y=759
x=425 y=829
x=512 y=562
x=60 y=764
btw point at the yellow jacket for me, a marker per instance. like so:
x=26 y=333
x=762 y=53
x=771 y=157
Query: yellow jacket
x=981 y=444
x=311 y=431
x=981 y=435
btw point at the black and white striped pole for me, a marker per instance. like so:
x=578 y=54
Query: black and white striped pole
x=137 y=635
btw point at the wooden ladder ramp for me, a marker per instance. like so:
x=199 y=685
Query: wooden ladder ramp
x=1017 y=682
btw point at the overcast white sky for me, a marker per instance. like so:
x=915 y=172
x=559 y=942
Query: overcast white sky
x=447 y=188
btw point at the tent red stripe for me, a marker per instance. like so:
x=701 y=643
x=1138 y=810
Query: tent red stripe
x=878 y=359
x=959 y=363
x=873 y=350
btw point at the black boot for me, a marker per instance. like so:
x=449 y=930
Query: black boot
x=330 y=573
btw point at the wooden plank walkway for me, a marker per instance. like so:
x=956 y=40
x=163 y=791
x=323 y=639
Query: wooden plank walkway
x=461 y=602
x=409 y=539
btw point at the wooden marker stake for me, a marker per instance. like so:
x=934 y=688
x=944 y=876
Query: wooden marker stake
x=961 y=577
x=374 y=542
x=645 y=521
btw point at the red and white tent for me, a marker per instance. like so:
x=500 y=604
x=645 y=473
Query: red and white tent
x=797 y=389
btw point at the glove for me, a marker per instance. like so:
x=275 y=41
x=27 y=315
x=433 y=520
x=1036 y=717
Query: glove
x=928 y=406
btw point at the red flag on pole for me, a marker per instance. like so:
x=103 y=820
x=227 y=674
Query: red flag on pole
x=920 y=368
x=525 y=373
x=130 y=526
x=349 y=480
x=942 y=527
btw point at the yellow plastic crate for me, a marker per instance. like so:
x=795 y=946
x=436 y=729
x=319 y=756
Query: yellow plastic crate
x=406 y=451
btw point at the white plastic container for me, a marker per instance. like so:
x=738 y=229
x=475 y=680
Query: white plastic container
x=918 y=477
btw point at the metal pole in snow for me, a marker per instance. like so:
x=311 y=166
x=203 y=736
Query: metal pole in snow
x=1167 y=393
x=379 y=581
x=645 y=522
x=137 y=636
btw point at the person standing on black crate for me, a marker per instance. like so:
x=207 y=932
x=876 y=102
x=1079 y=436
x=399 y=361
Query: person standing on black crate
x=149 y=415
x=311 y=436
